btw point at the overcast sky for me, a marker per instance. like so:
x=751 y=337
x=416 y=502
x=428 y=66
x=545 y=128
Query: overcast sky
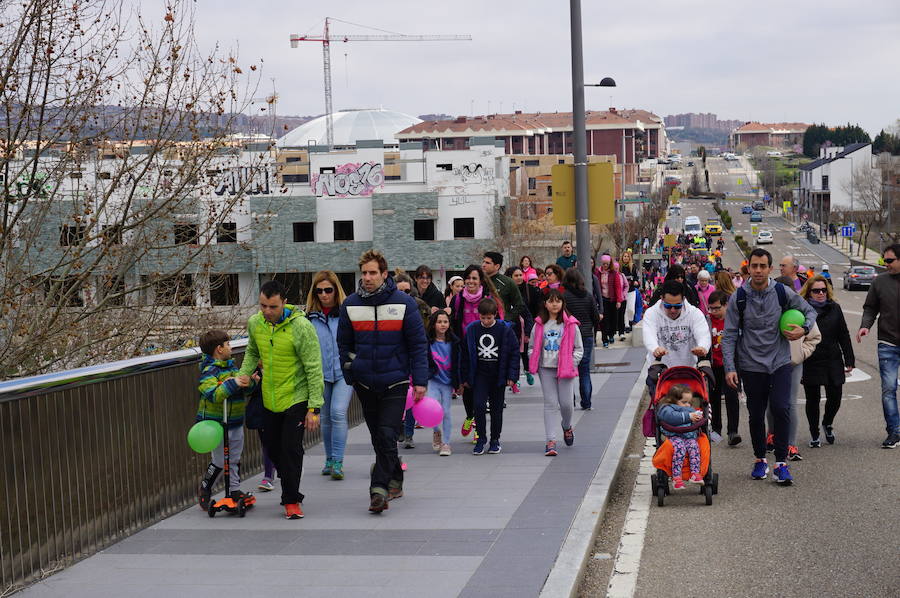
x=803 y=60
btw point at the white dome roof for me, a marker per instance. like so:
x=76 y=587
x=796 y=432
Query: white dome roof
x=350 y=126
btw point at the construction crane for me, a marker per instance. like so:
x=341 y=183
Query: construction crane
x=327 y=38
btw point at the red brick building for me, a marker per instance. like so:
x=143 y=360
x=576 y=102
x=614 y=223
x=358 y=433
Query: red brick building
x=629 y=135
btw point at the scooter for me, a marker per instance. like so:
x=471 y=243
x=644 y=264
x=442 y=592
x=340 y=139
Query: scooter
x=229 y=504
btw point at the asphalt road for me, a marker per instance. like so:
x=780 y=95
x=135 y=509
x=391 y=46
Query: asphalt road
x=835 y=532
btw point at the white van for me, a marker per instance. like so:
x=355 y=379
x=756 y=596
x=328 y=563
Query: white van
x=692 y=226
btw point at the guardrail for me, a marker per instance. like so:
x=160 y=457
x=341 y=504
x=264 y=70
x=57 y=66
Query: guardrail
x=93 y=455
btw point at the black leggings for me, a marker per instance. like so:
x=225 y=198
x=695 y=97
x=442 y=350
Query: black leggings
x=469 y=402
x=609 y=319
x=832 y=405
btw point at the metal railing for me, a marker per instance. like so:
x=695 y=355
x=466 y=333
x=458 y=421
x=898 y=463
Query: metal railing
x=93 y=455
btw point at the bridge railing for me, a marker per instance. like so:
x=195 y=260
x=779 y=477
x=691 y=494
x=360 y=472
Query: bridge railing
x=92 y=455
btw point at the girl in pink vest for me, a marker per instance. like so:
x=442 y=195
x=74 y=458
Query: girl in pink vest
x=554 y=354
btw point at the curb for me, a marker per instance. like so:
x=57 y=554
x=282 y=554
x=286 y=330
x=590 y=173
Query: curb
x=573 y=556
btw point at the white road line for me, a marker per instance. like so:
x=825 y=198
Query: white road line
x=623 y=581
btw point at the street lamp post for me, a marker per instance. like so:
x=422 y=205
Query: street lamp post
x=579 y=130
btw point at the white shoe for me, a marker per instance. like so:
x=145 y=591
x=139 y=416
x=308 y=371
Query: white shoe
x=445 y=450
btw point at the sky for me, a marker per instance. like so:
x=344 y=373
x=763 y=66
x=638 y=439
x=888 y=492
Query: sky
x=770 y=61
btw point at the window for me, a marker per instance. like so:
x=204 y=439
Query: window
x=326 y=170
x=71 y=235
x=304 y=232
x=112 y=290
x=448 y=167
x=64 y=291
x=224 y=289
x=295 y=178
x=348 y=282
x=290 y=159
x=75 y=175
x=175 y=290
x=297 y=283
x=463 y=228
x=187 y=234
x=560 y=161
x=392 y=177
x=824 y=182
x=423 y=230
x=532 y=183
x=532 y=162
x=112 y=234
x=226 y=233
x=343 y=230
x=549 y=190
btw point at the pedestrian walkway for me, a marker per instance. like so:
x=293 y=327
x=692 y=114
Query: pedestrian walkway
x=486 y=525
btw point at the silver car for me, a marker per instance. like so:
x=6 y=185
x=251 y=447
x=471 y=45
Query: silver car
x=859 y=277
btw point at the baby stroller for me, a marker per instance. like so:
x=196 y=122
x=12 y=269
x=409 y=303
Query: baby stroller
x=696 y=379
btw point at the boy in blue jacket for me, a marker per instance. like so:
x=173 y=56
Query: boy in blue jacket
x=490 y=363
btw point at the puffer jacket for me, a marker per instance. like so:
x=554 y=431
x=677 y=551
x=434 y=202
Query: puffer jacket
x=326 y=330
x=382 y=340
x=583 y=309
x=291 y=360
x=217 y=384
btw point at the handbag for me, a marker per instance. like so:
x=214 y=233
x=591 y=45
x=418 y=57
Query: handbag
x=649 y=423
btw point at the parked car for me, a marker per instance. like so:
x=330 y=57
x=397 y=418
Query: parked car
x=765 y=237
x=756 y=217
x=859 y=277
x=690 y=162
x=747 y=210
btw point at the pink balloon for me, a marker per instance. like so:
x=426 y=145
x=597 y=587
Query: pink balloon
x=410 y=397
x=428 y=412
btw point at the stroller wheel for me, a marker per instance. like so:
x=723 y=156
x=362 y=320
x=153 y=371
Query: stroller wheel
x=715 y=483
x=653 y=484
x=708 y=491
x=661 y=496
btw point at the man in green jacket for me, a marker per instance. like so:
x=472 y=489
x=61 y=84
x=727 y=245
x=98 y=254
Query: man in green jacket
x=292 y=385
x=513 y=304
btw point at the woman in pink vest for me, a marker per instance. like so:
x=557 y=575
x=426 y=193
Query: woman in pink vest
x=554 y=354
x=613 y=297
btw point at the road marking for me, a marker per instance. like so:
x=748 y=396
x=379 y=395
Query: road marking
x=623 y=581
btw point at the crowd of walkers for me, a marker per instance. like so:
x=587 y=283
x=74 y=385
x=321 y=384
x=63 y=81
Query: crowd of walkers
x=398 y=338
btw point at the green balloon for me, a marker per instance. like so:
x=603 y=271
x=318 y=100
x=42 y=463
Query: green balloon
x=792 y=316
x=204 y=436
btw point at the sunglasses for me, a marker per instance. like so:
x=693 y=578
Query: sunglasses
x=407 y=291
x=817 y=291
x=673 y=305
x=889 y=260
x=325 y=291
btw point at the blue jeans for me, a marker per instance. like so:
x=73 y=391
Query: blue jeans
x=443 y=394
x=584 y=372
x=334 y=418
x=409 y=423
x=888 y=362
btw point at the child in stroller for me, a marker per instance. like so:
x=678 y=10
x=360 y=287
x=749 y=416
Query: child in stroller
x=679 y=409
x=676 y=382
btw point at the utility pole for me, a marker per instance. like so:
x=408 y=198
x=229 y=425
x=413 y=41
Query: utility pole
x=582 y=223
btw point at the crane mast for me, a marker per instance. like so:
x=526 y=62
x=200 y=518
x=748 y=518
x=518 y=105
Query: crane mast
x=326 y=40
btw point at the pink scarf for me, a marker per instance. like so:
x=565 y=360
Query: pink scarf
x=470 y=306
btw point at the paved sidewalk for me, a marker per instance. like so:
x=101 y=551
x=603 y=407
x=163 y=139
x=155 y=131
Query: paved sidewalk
x=487 y=525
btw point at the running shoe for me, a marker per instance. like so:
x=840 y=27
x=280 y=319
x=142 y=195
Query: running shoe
x=467 y=426
x=475 y=437
x=829 y=434
x=408 y=442
x=815 y=443
x=327 y=469
x=494 y=447
x=378 y=503
x=770 y=442
x=678 y=483
x=696 y=478
x=783 y=475
x=446 y=451
x=569 y=436
x=606 y=345
x=395 y=492
x=436 y=441
x=204 y=495
x=794 y=454
x=266 y=485
x=337 y=470
x=529 y=377
x=734 y=439
x=760 y=470
x=891 y=441
x=550 y=449
x=479 y=448
x=715 y=437
x=293 y=511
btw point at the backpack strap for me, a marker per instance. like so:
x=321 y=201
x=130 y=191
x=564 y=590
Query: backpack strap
x=741 y=302
x=782 y=295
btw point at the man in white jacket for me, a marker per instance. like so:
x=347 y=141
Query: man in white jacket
x=675 y=332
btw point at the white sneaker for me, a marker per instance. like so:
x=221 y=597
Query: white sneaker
x=445 y=450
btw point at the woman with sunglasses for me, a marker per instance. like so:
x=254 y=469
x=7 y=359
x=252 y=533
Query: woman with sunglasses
x=829 y=363
x=323 y=305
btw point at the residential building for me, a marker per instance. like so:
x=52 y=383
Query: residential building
x=692 y=120
x=779 y=135
x=825 y=183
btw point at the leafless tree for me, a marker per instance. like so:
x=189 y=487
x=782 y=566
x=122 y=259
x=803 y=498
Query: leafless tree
x=112 y=126
x=870 y=208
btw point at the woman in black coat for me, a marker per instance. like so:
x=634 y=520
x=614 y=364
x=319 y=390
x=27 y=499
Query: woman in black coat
x=582 y=307
x=832 y=359
x=533 y=298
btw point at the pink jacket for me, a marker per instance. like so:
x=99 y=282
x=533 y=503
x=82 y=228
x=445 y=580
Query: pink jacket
x=614 y=285
x=567 y=368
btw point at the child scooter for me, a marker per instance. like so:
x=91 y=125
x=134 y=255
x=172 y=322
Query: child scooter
x=229 y=503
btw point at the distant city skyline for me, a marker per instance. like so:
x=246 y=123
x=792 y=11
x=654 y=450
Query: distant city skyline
x=817 y=62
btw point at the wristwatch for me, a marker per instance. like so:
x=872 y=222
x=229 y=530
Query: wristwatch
x=805 y=329
x=315 y=411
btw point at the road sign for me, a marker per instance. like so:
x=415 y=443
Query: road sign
x=846 y=231
x=601 y=193
x=852 y=225
x=754 y=229
x=669 y=241
x=787 y=206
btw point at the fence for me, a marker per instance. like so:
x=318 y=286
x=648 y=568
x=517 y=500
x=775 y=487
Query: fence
x=93 y=455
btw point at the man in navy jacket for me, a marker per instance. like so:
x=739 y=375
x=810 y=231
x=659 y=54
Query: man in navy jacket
x=382 y=344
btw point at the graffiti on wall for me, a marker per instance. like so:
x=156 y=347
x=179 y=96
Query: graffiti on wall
x=349 y=180
x=251 y=180
x=474 y=174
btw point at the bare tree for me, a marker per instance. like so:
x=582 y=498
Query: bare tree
x=869 y=209
x=113 y=142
